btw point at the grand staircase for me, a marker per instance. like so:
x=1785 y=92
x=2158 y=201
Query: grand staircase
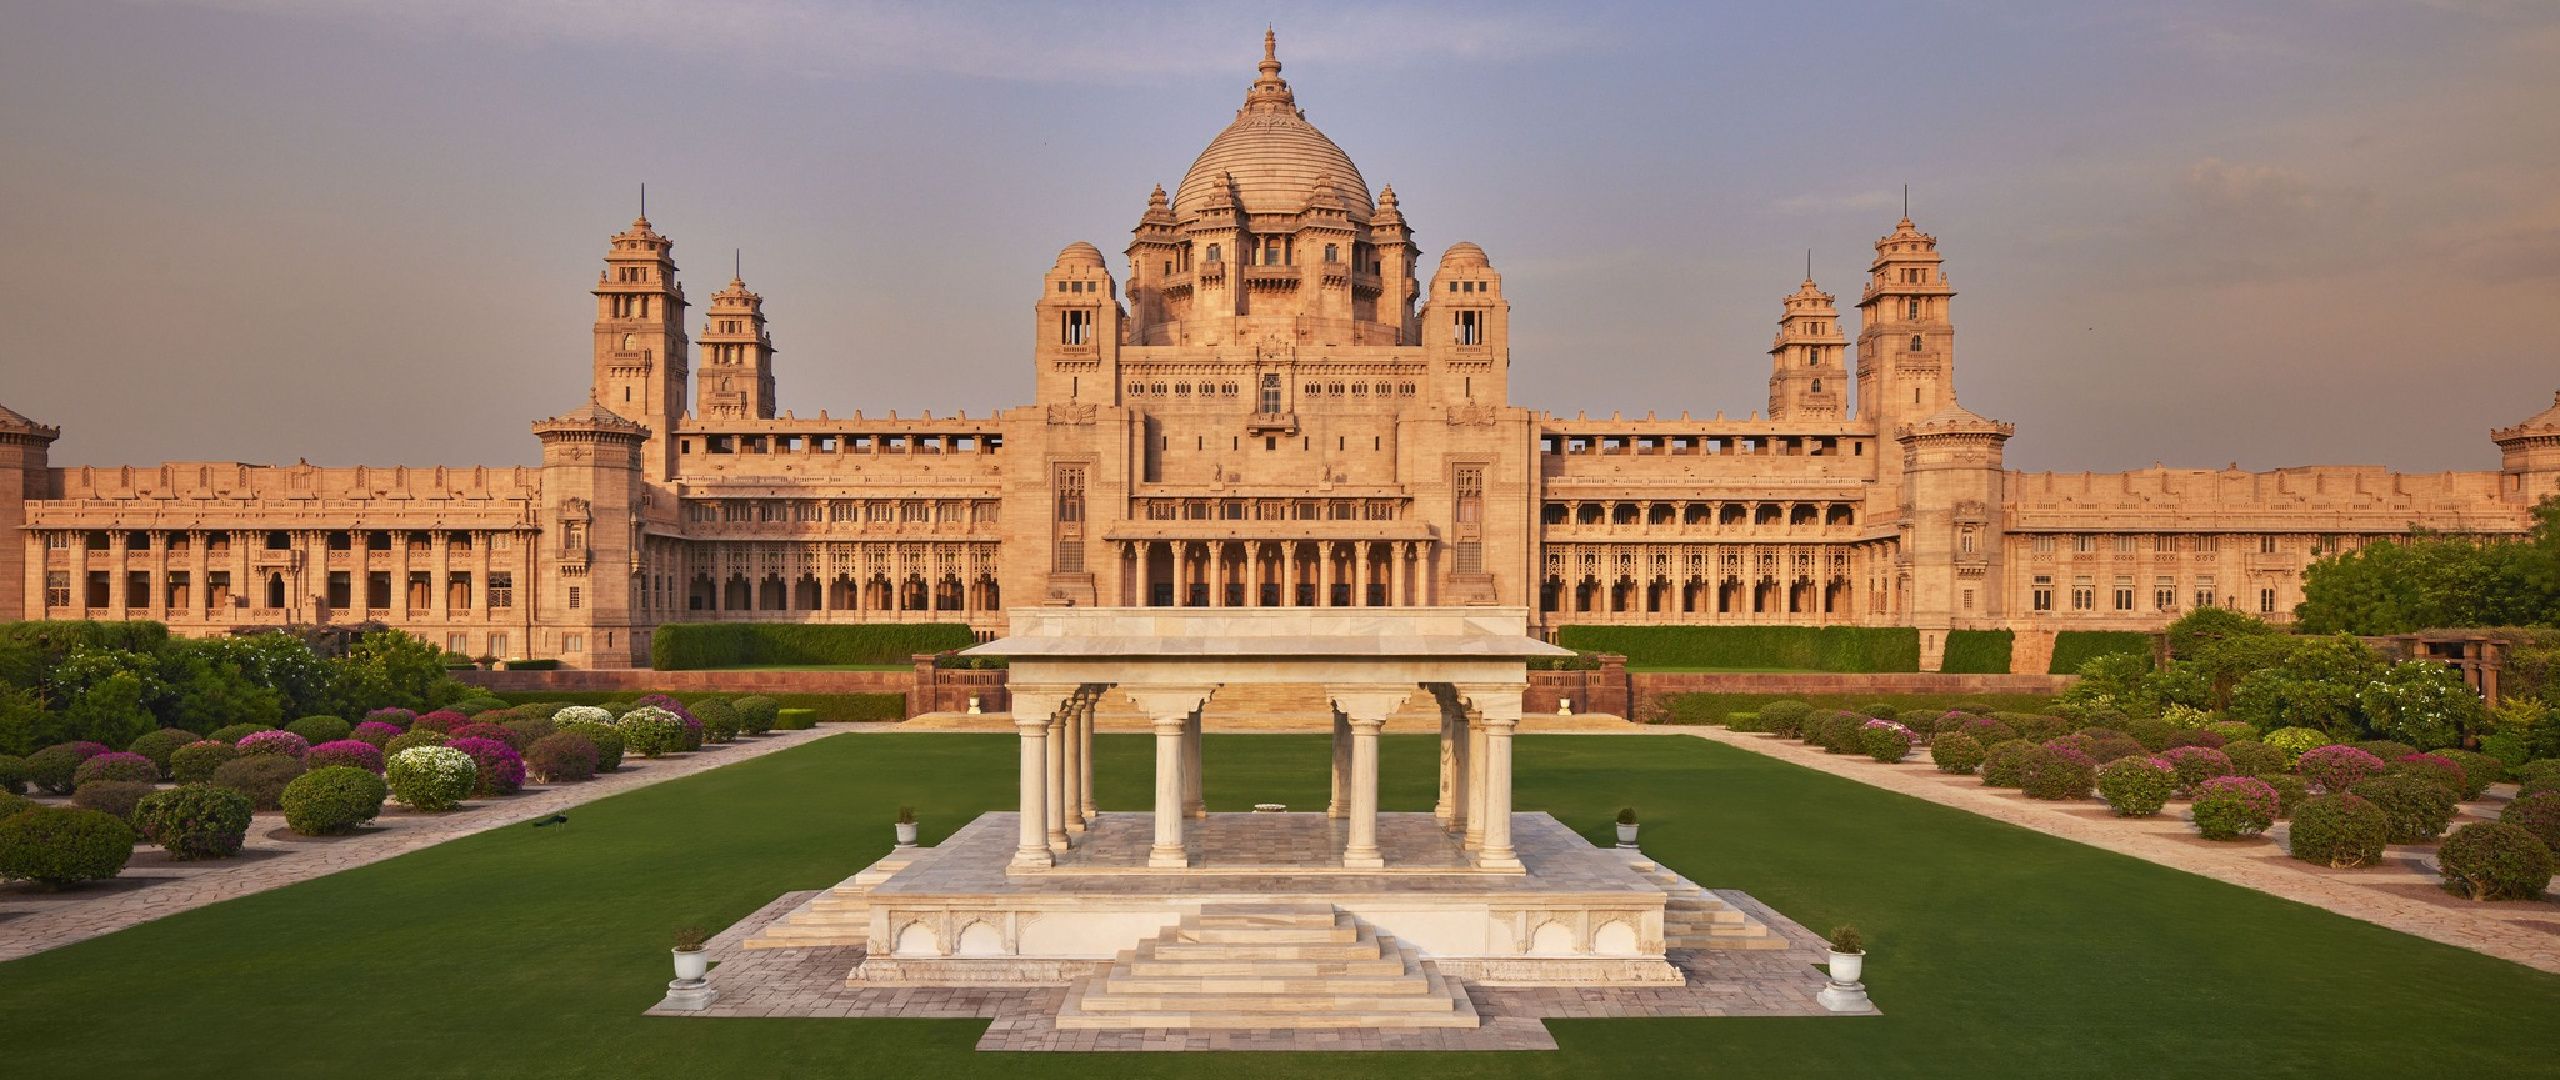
x=1267 y=966
x=838 y=916
x=1693 y=918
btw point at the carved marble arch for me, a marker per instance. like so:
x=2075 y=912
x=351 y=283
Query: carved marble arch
x=1553 y=937
x=915 y=937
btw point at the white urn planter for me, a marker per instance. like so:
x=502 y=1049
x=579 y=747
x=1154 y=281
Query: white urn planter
x=1846 y=967
x=691 y=964
x=974 y=709
x=906 y=834
x=1564 y=706
x=1845 y=993
x=1627 y=835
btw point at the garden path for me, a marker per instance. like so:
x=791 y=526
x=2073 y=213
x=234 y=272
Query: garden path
x=2402 y=894
x=154 y=886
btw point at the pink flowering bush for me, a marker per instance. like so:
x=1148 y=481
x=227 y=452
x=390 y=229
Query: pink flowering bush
x=2436 y=767
x=355 y=753
x=2057 y=772
x=441 y=721
x=2230 y=807
x=2137 y=786
x=2197 y=764
x=692 y=739
x=375 y=733
x=116 y=765
x=277 y=743
x=481 y=729
x=1884 y=740
x=500 y=770
x=398 y=719
x=2334 y=769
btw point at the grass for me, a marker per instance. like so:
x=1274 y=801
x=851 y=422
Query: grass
x=1995 y=951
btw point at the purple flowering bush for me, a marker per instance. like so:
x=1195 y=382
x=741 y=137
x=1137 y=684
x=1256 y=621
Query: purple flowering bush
x=499 y=769
x=2334 y=769
x=2057 y=772
x=2433 y=767
x=116 y=765
x=376 y=734
x=272 y=743
x=2231 y=807
x=353 y=753
x=2197 y=764
x=2137 y=786
x=397 y=718
x=1884 y=740
x=692 y=735
x=441 y=721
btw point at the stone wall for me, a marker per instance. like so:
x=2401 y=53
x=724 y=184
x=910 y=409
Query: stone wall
x=642 y=680
x=1654 y=684
x=1605 y=690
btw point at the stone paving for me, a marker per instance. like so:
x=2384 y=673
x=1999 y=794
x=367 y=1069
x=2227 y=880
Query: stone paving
x=810 y=983
x=2402 y=894
x=154 y=886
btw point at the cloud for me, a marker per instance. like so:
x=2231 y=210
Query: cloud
x=2249 y=220
x=1033 y=43
x=1809 y=203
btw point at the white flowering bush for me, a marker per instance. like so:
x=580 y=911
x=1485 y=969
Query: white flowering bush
x=431 y=777
x=581 y=714
x=2186 y=716
x=650 y=731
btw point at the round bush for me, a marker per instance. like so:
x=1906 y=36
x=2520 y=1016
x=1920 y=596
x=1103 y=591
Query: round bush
x=2388 y=750
x=2076 y=742
x=116 y=765
x=795 y=720
x=2539 y=814
x=1782 y=718
x=2297 y=741
x=2478 y=771
x=350 y=753
x=13 y=774
x=2334 y=769
x=1987 y=731
x=2197 y=764
x=261 y=777
x=2036 y=727
x=236 y=732
x=2211 y=740
x=2057 y=772
x=272 y=744
x=375 y=733
x=481 y=729
x=116 y=797
x=62 y=846
x=441 y=721
x=158 y=745
x=580 y=714
x=2152 y=732
x=195 y=762
x=523 y=732
x=2231 y=807
x=2414 y=810
x=2543 y=771
x=499 y=769
x=2249 y=757
x=2536 y=786
x=398 y=718
x=2232 y=731
x=560 y=757
x=719 y=719
x=52 y=768
x=409 y=739
x=2290 y=791
x=2434 y=768
x=319 y=729
x=1884 y=740
x=651 y=731
x=606 y=738
x=2107 y=745
x=431 y=777
x=333 y=800
x=757 y=714
x=2487 y=860
x=2341 y=831
x=11 y=804
x=195 y=821
x=2137 y=786
x=1835 y=731
x=2005 y=764
x=1956 y=752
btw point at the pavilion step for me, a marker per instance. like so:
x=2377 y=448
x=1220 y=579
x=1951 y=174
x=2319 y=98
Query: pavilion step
x=1267 y=966
x=838 y=916
x=1124 y=978
x=1142 y=967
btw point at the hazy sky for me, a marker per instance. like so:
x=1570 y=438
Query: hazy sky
x=2277 y=232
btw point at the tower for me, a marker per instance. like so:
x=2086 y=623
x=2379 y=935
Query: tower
x=588 y=568
x=2528 y=457
x=26 y=474
x=1906 y=332
x=1808 y=360
x=735 y=379
x=1076 y=342
x=640 y=340
x=1955 y=486
x=1466 y=329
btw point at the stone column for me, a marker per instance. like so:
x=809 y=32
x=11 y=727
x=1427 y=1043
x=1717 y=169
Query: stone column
x=1033 y=706
x=1071 y=747
x=1169 y=709
x=1500 y=704
x=1053 y=759
x=1366 y=710
x=1324 y=573
x=1471 y=770
x=1084 y=781
x=1445 y=808
x=1340 y=803
x=117 y=602
x=1193 y=806
x=1399 y=574
x=400 y=612
x=158 y=601
x=438 y=603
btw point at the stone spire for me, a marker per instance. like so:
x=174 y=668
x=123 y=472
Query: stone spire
x=734 y=380
x=1270 y=91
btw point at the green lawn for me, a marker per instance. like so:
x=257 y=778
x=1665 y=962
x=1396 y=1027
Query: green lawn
x=1996 y=951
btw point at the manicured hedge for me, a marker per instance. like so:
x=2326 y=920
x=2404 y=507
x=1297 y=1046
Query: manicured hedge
x=1752 y=648
x=690 y=646
x=2072 y=648
x=830 y=708
x=1977 y=652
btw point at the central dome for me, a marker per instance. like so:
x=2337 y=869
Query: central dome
x=1275 y=156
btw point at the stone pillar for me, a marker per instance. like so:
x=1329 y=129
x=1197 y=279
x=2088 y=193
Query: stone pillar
x=158 y=601
x=1193 y=768
x=1071 y=747
x=1033 y=706
x=439 y=604
x=1053 y=759
x=1399 y=574
x=1169 y=709
x=117 y=602
x=1366 y=710
x=1324 y=573
x=1500 y=705
x=1473 y=772
x=1340 y=803
x=1445 y=808
x=1084 y=758
x=400 y=612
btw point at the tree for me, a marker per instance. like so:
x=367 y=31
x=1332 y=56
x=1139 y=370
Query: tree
x=111 y=711
x=2219 y=645
x=2427 y=581
x=388 y=666
x=2317 y=685
x=2423 y=703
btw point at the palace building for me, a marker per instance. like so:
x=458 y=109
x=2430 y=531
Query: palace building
x=1275 y=402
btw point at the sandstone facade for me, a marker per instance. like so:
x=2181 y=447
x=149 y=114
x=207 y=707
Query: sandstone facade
x=1276 y=403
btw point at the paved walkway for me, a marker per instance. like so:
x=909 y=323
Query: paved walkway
x=154 y=886
x=2402 y=894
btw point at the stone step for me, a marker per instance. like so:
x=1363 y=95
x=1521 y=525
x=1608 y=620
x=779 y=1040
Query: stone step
x=1267 y=967
x=1143 y=967
x=1274 y=935
x=1072 y=1017
x=1124 y=980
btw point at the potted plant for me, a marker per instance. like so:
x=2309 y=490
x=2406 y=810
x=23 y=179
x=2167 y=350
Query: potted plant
x=906 y=826
x=1564 y=706
x=690 y=962
x=1627 y=827
x=1848 y=954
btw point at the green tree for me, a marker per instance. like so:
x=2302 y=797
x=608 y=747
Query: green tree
x=2317 y=685
x=2422 y=703
x=388 y=667
x=111 y=710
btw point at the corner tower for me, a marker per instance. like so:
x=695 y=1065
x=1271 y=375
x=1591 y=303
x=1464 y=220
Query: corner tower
x=1466 y=329
x=1808 y=360
x=640 y=340
x=588 y=565
x=1906 y=331
x=26 y=473
x=1076 y=343
x=735 y=379
x=2528 y=457
x=1953 y=521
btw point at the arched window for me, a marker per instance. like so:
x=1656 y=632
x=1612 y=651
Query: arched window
x=1817 y=386
x=1213 y=253
x=1915 y=343
x=1332 y=253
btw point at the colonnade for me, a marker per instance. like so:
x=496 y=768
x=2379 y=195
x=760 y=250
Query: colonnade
x=1277 y=573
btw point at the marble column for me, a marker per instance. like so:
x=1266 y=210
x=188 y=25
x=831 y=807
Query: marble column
x=1071 y=747
x=1365 y=710
x=1472 y=770
x=1169 y=709
x=1053 y=759
x=1193 y=768
x=1340 y=802
x=1033 y=706
x=1500 y=705
x=1084 y=758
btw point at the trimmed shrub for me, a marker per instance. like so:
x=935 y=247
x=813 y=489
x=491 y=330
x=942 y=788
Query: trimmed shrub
x=795 y=720
x=261 y=777
x=52 y=768
x=2536 y=787
x=2539 y=814
x=2478 y=771
x=441 y=721
x=1834 y=730
x=2074 y=648
x=2340 y=831
x=499 y=770
x=605 y=737
x=2386 y=749
x=523 y=732
x=651 y=731
x=2415 y=810
x=2152 y=732
x=1956 y=752
x=687 y=646
x=116 y=765
x=2290 y=791
x=430 y=777
x=560 y=757
x=1772 y=648
x=375 y=733
x=689 y=735
x=57 y=847
x=2487 y=860
x=409 y=739
x=2057 y=772
x=2546 y=770
x=2197 y=764
x=2334 y=769
x=2249 y=757
x=1879 y=710
x=236 y=732
x=2037 y=727
x=2210 y=740
x=1977 y=652
x=112 y=796
x=195 y=821
x=572 y=715
x=158 y=745
x=333 y=800
x=2113 y=745
x=1884 y=740
x=2075 y=742
x=719 y=719
x=2434 y=768
x=479 y=702
x=319 y=729
x=482 y=729
x=2005 y=764
x=398 y=718
x=1785 y=718
x=194 y=763
x=2230 y=807
x=13 y=775
x=2298 y=741
x=349 y=753
x=272 y=744
x=757 y=713
x=1985 y=730
x=2137 y=786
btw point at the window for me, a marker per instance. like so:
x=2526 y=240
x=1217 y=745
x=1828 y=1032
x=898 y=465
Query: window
x=1271 y=392
x=2204 y=591
x=498 y=645
x=502 y=590
x=2164 y=593
x=1470 y=488
x=2266 y=601
x=458 y=643
x=2084 y=544
x=1911 y=308
x=577 y=594
x=1915 y=343
x=1470 y=328
x=2266 y=545
x=57 y=588
x=573 y=643
x=1075 y=328
x=1213 y=253
x=2124 y=545
x=2044 y=545
x=1068 y=489
x=1333 y=253
x=2084 y=594
x=2124 y=593
x=2208 y=544
x=2044 y=592
x=57 y=541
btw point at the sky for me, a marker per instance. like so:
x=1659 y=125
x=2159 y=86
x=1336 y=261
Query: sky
x=2282 y=232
